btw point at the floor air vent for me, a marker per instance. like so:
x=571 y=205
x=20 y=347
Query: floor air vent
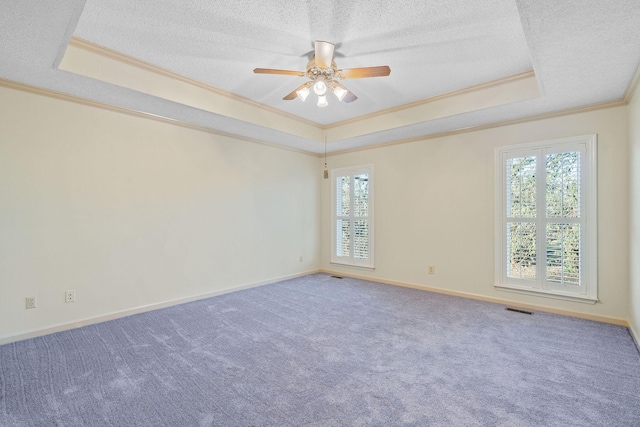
x=336 y=277
x=517 y=310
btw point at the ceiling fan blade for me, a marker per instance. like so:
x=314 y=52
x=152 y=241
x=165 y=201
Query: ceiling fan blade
x=272 y=71
x=293 y=94
x=358 y=73
x=324 y=53
x=349 y=97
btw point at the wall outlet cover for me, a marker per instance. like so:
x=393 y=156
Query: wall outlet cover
x=69 y=296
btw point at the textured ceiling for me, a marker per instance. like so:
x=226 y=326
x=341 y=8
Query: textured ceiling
x=583 y=52
x=438 y=47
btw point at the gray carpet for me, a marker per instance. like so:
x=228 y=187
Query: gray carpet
x=320 y=351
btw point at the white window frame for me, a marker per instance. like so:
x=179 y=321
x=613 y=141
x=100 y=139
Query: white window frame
x=588 y=291
x=351 y=260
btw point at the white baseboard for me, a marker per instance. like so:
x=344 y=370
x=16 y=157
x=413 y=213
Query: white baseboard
x=594 y=317
x=142 y=309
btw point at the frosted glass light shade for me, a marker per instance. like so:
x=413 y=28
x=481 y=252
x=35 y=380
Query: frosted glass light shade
x=339 y=92
x=322 y=101
x=303 y=93
x=320 y=87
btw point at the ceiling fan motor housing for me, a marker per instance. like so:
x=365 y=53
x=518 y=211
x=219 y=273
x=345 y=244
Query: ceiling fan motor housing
x=314 y=71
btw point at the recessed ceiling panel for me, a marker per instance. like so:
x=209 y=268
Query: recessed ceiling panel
x=582 y=53
x=432 y=47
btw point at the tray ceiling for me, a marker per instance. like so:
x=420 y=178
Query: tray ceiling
x=579 y=53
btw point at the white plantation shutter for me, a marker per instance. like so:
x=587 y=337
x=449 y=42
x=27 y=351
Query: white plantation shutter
x=352 y=216
x=563 y=254
x=546 y=222
x=564 y=216
x=563 y=184
x=521 y=184
x=521 y=250
x=521 y=187
x=343 y=215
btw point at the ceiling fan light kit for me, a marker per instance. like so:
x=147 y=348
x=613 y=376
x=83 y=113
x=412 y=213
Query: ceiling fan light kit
x=324 y=74
x=339 y=92
x=320 y=87
x=322 y=101
x=302 y=93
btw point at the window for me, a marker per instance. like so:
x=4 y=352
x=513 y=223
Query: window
x=546 y=226
x=352 y=216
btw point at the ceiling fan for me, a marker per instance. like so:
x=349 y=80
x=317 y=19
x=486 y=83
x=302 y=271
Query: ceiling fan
x=324 y=75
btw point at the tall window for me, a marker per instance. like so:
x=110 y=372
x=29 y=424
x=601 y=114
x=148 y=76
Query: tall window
x=546 y=223
x=352 y=216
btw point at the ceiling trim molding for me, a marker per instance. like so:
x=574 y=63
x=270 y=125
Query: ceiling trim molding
x=104 y=106
x=136 y=113
x=519 y=88
x=99 y=62
x=403 y=107
x=568 y=112
x=97 y=49
x=633 y=85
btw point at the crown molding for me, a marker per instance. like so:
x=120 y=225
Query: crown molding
x=129 y=60
x=498 y=93
x=413 y=112
x=567 y=112
x=635 y=82
x=106 y=52
x=404 y=109
x=104 y=106
x=121 y=57
x=419 y=103
x=633 y=85
x=136 y=113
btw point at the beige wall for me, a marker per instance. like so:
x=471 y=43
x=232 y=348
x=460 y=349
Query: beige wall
x=131 y=212
x=435 y=206
x=135 y=213
x=634 y=137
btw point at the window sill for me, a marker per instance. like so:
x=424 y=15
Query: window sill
x=359 y=267
x=548 y=294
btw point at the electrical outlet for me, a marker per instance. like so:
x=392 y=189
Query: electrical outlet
x=69 y=296
x=31 y=302
x=431 y=269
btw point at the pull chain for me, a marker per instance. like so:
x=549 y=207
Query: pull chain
x=326 y=172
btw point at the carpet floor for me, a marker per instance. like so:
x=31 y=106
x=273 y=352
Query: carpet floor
x=321 y=351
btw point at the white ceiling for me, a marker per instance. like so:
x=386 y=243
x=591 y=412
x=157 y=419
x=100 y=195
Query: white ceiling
x=583 y=52
x=430 y=49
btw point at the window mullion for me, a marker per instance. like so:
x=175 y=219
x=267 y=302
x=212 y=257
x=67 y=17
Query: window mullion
x=541 y=214
x=352 y=227
x=564 y=220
